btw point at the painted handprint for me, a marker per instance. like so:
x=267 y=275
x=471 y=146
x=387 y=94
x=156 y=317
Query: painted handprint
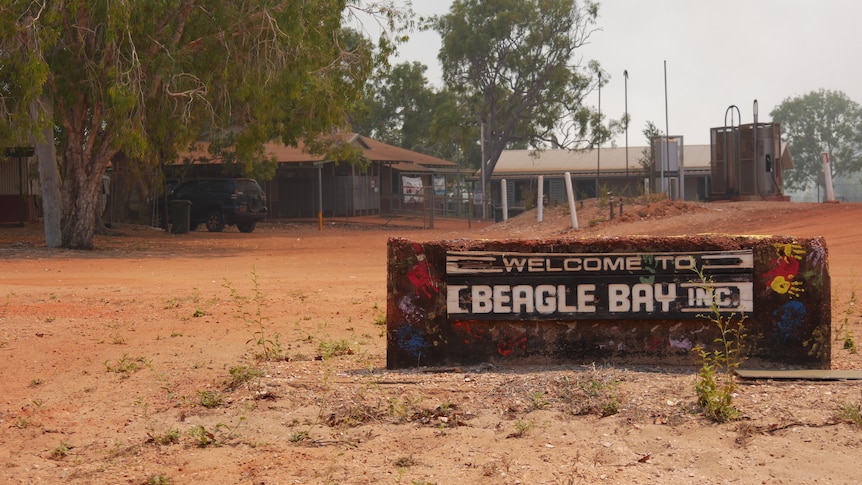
x=420 y=274
x=786 y=286
x=781 y=278
x=790 y=250
x=648 y=261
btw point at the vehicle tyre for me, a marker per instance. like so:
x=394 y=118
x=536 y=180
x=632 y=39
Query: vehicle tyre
x=246 y=226
x=215 y=221
x=254 y=205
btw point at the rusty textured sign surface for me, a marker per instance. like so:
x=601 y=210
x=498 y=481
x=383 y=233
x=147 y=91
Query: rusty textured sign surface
x=635 y=300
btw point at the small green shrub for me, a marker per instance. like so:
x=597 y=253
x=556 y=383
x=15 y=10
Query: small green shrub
x=60 y=451
x=203 y=437
x=599 y=395
x=126 y=366
x=848 y=413
x=715 y=384
x=210 y=399
x=522 y=427
x=22 y=422
x=266 y=341
x=333 y=348
x=170 y=437
x=849 y=342
x=538 y=400
x=242 y=374
x=379 y=316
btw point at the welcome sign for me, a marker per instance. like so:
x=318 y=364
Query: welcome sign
x=630 y=300
x=553 y=286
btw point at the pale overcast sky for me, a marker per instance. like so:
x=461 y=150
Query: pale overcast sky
x=718 y=54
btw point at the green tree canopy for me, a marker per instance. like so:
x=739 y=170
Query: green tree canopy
x=817 y=122
x=646 y=159
x=399 y=106
x=149 y=76
x=514 y=64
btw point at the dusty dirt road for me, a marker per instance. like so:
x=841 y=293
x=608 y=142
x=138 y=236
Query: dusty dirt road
x=140 y=362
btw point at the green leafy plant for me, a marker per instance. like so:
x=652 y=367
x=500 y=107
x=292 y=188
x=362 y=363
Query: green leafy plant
x=602 y=397
x=126 y=366
x=210 y=399
x=380 y=319
x=597 y=395
x=842 y=333
x=219 y=434
x=60 y=451
x=268 y=346
x=538 y=400
x=22 y=422
x=243 y=374
x=522 y=427
x=715 y=384
x=203 y=437
x=170 y=437
x=848 y=412
x=849 y=342
x=332 y=348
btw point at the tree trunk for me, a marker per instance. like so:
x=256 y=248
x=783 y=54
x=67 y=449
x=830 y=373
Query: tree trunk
x=49 y=174
x=81 y=192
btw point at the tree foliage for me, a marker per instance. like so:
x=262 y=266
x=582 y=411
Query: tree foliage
x=817 y=122
x=149 y=76
x=514 y=65
x=455 y=131
x=399 y=106
x=646 y=159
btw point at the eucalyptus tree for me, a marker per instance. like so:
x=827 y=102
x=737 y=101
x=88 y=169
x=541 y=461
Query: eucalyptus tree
x=147 y=77
x=646 y=159
x=398 y=106
x=817 y=122
x=516 y=66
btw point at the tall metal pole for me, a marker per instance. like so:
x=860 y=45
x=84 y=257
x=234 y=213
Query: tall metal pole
x=599 y=151
x=666 y=136
x=626 y=78
x=731 y=156
x=482 y=137
x=756 y=153
x=320 y=197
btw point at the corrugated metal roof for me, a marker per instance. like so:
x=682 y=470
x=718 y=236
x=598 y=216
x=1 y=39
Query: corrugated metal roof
x=372 y=150
x=612 y=159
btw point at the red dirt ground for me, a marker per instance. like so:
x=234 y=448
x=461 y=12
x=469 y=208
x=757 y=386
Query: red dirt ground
x=116 y=366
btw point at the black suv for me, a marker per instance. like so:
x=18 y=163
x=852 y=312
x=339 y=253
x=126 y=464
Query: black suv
x=222 y=202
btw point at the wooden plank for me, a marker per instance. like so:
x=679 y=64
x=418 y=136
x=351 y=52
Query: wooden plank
x=801 y=374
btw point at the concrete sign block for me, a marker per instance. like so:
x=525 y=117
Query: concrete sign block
x=634 y=300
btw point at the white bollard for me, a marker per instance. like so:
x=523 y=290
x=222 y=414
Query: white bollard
x=540 y=206
x=504 y=194
x=571 y=194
